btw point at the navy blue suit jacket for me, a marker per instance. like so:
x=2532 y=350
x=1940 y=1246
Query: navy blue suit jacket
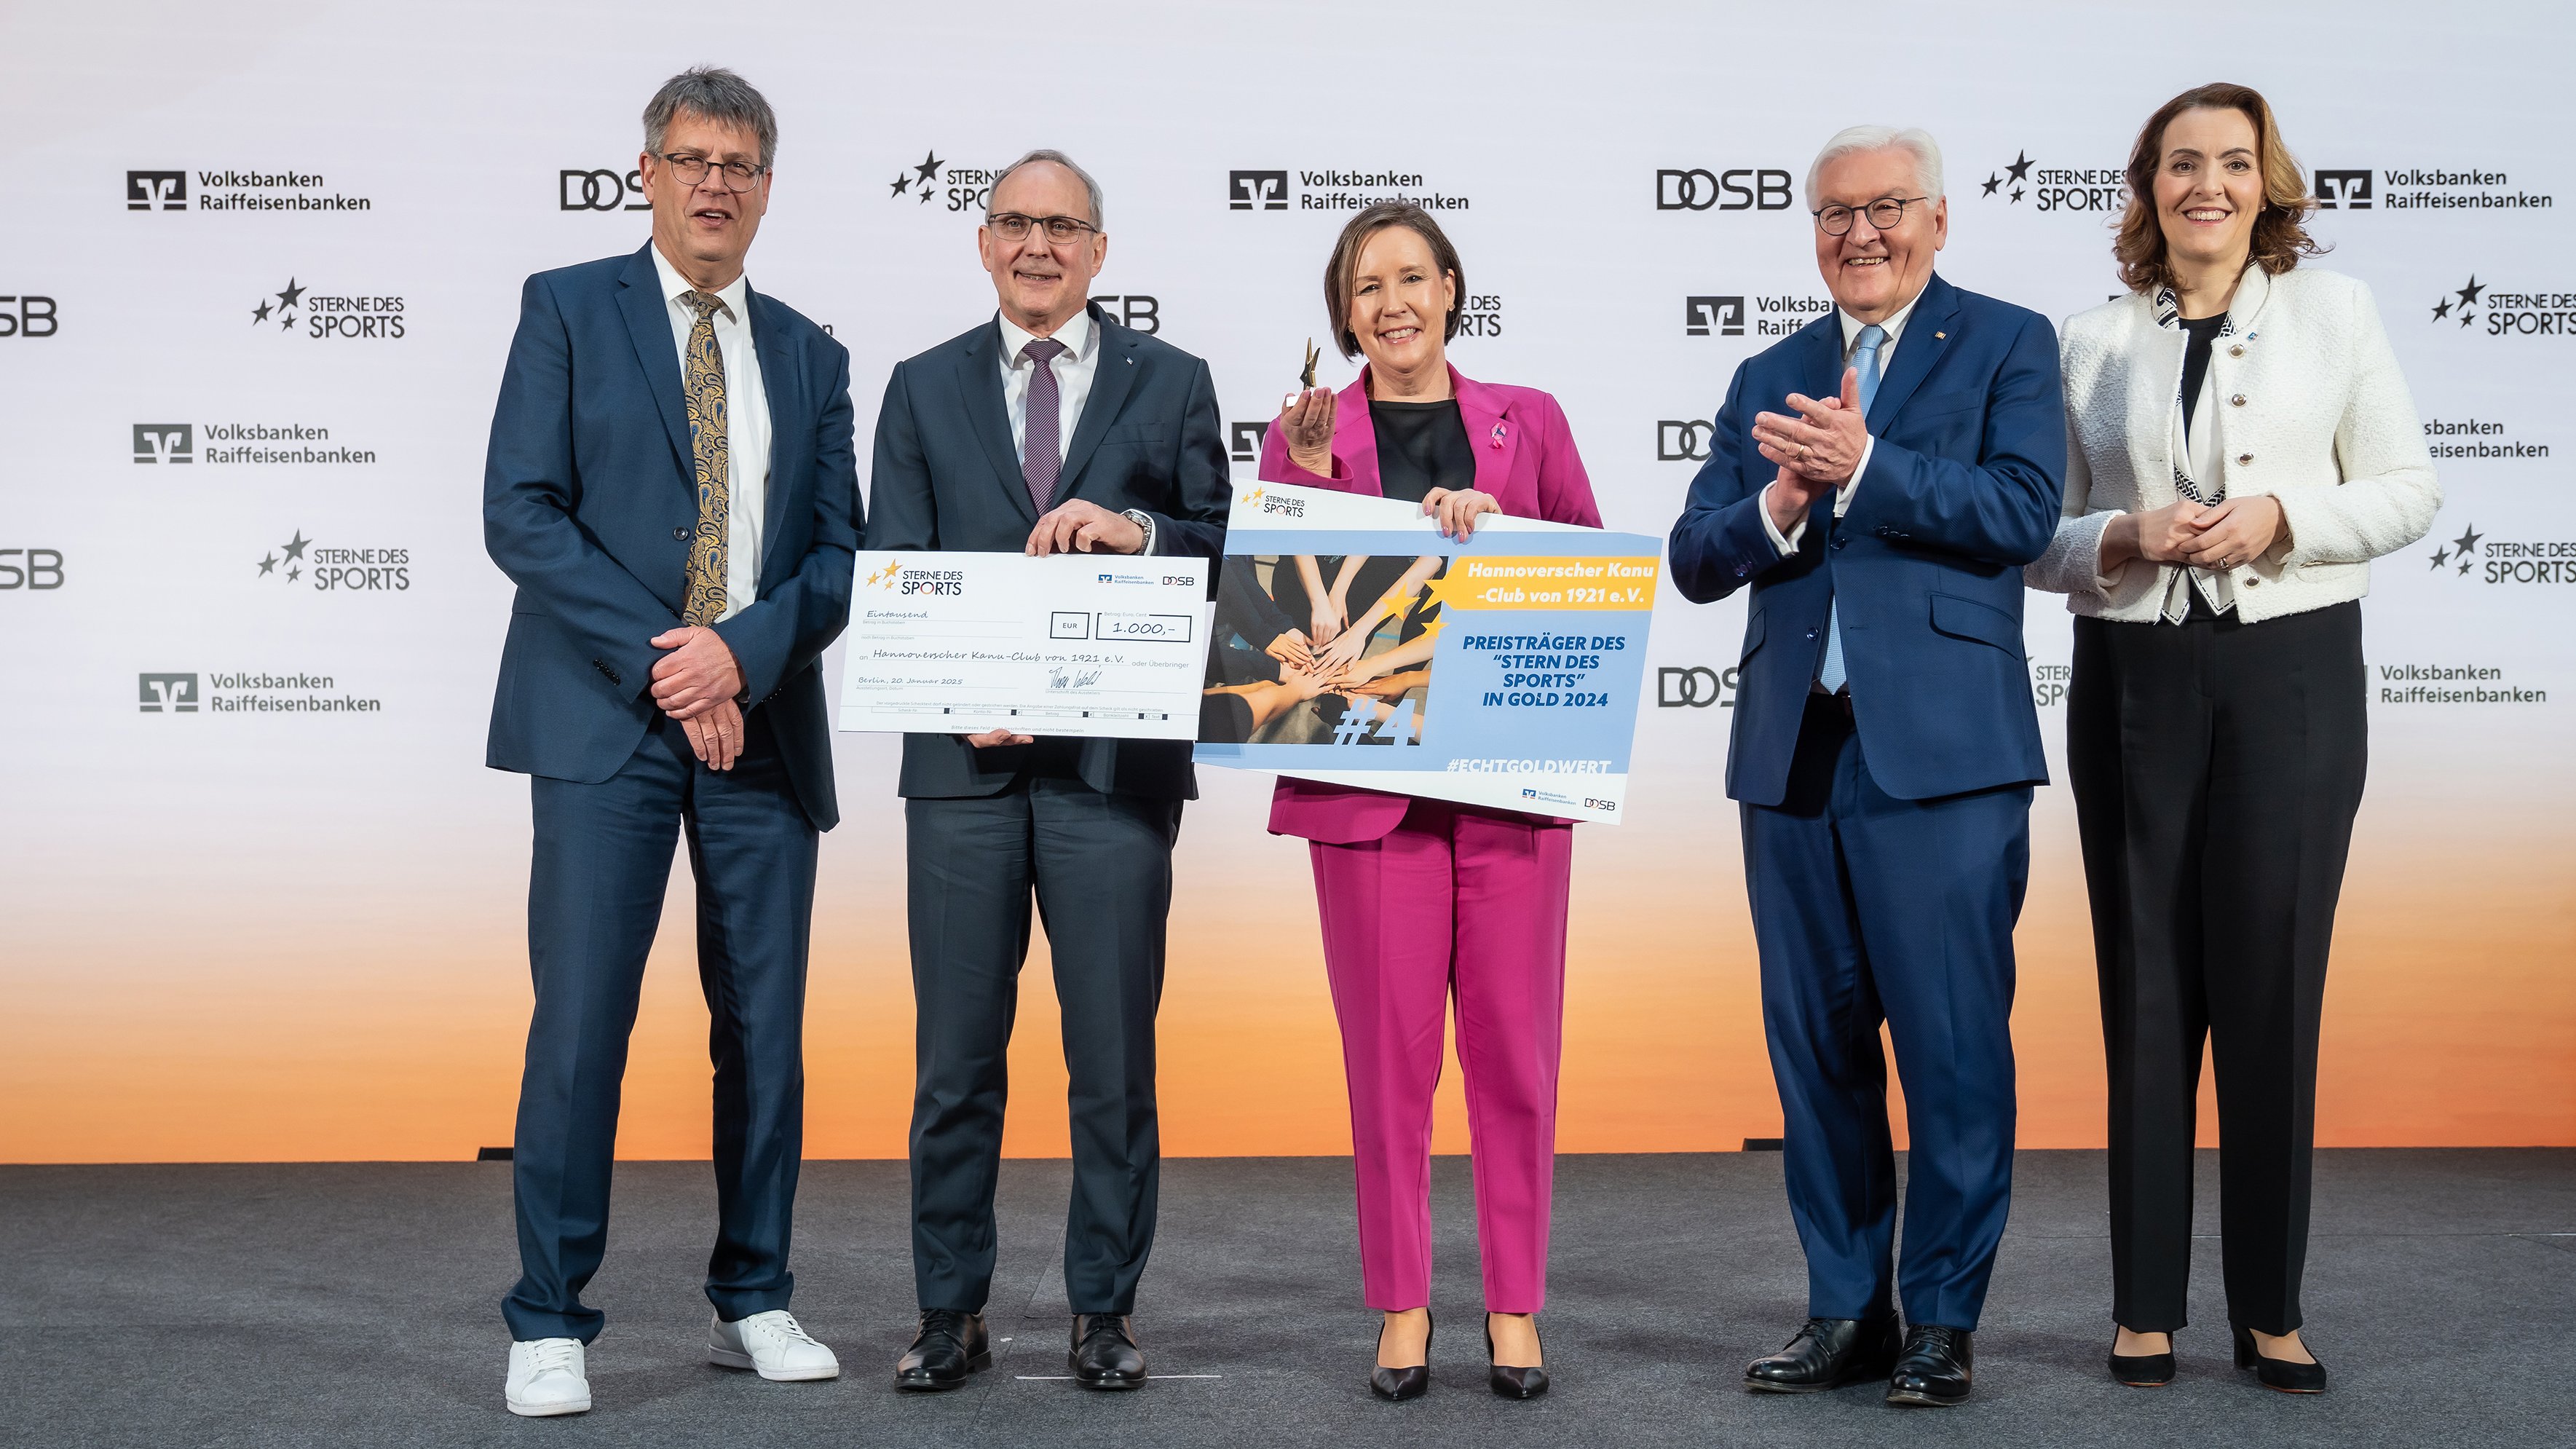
x=947 y=476
x=589 y=498
x=1963 y=488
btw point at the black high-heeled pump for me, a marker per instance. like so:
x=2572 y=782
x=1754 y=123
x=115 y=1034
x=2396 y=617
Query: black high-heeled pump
x=1395 y=1385
x=1508 y=1382
x=2143 y=1370
x=2279 y=1373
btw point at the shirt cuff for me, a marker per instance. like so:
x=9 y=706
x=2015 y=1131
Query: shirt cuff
x=1787 y=543
x=1843 y=494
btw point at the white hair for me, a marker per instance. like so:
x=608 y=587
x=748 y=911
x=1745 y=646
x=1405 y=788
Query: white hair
x=1852 y=140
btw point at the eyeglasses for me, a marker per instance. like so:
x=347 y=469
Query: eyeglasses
x=1010 y=226
x=738 y=175
x=1885 y=214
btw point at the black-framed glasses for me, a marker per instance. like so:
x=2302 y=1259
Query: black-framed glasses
x=738 y=175
x=1885 y=214
x=1010 y=226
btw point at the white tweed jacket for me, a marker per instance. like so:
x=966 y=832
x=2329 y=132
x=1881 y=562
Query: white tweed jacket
x=2310 y=409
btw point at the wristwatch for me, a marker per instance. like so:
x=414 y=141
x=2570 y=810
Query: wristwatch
x=1144 y=521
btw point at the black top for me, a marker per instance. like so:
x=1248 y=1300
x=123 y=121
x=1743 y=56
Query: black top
x=1421 y=446
x=2195 y=360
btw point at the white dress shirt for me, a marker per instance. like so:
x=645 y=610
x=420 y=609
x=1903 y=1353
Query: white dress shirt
x=1787 y=543
x=746 y=425
x=1074 y=369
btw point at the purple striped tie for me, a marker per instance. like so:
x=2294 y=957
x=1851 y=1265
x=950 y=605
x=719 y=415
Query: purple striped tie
x=1042 y=457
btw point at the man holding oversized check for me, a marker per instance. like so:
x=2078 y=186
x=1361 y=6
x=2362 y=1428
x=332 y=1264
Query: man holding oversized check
x=1047 y=489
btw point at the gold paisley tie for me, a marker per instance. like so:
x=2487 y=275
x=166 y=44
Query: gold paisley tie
x=704 y=384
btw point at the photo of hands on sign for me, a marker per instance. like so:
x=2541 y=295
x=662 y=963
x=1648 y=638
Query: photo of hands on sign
x=1295 y=661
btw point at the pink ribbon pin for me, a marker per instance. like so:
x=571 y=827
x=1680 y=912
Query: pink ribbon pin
x=1498 y=435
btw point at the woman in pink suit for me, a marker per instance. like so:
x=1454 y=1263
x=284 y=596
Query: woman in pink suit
x=1421 y=897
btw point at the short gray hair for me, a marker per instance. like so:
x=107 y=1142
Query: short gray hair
x=1852 y=140
x=712 y=93
x=1089 y=186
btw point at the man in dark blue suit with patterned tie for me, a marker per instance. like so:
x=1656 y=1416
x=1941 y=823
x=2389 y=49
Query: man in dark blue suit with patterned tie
x=1884 y=752
x=671 y=487
x=1046 y=428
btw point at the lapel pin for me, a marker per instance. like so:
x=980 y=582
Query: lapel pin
x=1940 y=336
x=1498 y=435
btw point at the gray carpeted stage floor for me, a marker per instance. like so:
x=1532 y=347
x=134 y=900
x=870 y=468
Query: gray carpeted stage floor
x=356 y=1305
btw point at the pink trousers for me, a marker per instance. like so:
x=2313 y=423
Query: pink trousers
x=1452 y=898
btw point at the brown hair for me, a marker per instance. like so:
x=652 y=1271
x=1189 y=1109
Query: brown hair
x=1374 y=218
x=2279 y=239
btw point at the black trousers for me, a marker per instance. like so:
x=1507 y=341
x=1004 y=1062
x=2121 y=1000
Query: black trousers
x=602 y=864
x=1100 y=868
x=2217 y=766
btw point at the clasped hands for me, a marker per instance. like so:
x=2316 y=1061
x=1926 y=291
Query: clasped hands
x=2221 y=536
x=699 y=684
x=1817 y=451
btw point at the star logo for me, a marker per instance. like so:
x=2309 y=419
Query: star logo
x=292 y=294
x=281 y=305
x=900 y=183
x=2020 y=168
x=884 y=575
x=260 y=313
x=2460 y=553
x=929 y=167
x=2460 y=302
x=1993 y=180
x=291 y=554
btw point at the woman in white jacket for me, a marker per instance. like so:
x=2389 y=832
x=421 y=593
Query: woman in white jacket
x=2241 y=445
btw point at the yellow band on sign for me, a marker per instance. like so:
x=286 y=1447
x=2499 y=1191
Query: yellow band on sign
x=1548 y=583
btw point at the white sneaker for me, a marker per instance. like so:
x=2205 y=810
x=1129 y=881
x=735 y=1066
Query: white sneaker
x=773 y=1345
x=547 y=1377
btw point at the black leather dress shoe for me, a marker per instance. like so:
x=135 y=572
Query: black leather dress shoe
x=1934 y=1369
x=1509 y=1382
x=2143 y=1370
x=1104 y=1353
x=950 y=1345
x=1827 y=1354
x=1395 y=1385
x=2279 y=1373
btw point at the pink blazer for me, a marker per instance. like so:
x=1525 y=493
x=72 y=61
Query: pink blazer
x=1525 y=458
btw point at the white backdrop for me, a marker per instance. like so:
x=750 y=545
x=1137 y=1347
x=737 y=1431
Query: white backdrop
x=262 y=269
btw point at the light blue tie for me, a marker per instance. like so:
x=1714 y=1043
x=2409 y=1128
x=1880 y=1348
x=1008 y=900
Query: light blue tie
x=1864 y=357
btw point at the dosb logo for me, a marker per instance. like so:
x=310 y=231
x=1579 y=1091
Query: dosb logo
x=1699 y=189
x=168 y=693
x=165 y=442
x=2344 y=190
x=1143 y=314
x=1696 y=687
x=31 y=568
x=156 y=191
x=1677 y=441
x=577 y=190
x=1726 y=314
x=27 y=317
x=1245 y=440
x=1256 y=191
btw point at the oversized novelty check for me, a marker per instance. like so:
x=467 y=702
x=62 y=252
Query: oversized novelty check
x=1352 y=644
x=1073 y=644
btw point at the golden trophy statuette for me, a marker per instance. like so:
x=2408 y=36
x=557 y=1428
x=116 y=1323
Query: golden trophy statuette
x=1308 y=377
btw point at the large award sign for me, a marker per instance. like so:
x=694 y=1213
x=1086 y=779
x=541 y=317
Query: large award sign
x=1355 y=645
